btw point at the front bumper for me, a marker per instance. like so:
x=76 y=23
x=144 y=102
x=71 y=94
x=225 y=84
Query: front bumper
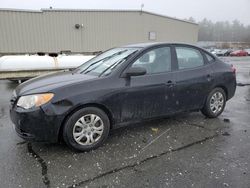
x=36 y=125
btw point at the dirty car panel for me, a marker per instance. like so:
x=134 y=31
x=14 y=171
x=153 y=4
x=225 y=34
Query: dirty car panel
x=161 y=91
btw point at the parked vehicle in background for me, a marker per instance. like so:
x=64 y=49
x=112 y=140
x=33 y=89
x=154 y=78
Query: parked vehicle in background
x=248 y=51
x=239 y=53
x=221 y=52
x=119 y=87
x=214 y=51
x=227 y=52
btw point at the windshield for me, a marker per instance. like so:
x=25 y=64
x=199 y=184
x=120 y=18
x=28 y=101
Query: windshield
x=105 y=63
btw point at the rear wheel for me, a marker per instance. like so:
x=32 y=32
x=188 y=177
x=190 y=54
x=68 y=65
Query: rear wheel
x=215 y=103
x=86 y=129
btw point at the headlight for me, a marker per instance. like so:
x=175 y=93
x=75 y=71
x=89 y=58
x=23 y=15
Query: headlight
x=30 y=101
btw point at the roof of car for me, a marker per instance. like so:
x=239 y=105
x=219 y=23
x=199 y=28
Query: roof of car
x=145 y=45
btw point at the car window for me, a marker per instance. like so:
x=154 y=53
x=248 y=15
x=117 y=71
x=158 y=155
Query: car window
x=210 y=59
x=188 y=57
x=155 y=61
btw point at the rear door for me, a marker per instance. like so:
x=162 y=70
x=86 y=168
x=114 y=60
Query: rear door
x=192 y=76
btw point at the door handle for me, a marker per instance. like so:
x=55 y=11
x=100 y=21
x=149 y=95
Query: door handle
x=170 y=83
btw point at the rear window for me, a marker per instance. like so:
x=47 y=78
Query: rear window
x=189 y=57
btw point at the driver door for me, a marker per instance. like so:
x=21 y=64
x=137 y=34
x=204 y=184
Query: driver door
x=149 y=95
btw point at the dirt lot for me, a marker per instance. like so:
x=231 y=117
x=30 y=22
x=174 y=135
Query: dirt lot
x=187 y=150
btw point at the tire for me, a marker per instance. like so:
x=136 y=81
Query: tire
x=212 y=108
x=82 y=134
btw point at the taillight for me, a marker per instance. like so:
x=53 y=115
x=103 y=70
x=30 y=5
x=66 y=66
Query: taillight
x=233 y=69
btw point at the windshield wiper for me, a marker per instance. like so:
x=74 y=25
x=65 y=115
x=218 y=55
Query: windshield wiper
x=93 y=64
x=104 y=59
x=111 y=67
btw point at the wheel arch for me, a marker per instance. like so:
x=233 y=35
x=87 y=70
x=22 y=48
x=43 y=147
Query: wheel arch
x=97 y=105
x=224 y=89
x=216 y=86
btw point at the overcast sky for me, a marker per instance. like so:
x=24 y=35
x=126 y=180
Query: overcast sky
x=216 y=10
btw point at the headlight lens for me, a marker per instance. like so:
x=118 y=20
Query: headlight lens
x=30 y=101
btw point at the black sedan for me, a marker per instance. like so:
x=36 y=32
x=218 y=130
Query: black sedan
x=118 y=87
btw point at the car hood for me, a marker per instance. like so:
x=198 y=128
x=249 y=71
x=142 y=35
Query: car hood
x=51 y=81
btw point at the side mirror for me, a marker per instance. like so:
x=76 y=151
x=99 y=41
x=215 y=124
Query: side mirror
x=135 y=71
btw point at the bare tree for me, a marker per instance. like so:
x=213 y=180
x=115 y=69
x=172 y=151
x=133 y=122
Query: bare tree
x=222 y=31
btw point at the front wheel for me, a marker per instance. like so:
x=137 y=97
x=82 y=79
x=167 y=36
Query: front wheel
x=86 y=129
x=215 y=103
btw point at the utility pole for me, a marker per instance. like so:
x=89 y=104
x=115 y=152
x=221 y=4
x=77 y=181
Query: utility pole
x=142 y=5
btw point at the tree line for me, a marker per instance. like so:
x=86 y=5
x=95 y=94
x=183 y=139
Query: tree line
x=224 y=31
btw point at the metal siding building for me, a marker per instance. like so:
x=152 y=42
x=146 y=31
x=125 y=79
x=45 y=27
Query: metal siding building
x=53 y=30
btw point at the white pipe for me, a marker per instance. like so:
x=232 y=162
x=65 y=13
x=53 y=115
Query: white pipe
x=35 y=62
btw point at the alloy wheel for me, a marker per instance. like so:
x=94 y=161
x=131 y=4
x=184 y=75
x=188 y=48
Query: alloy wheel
x=217 y=102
